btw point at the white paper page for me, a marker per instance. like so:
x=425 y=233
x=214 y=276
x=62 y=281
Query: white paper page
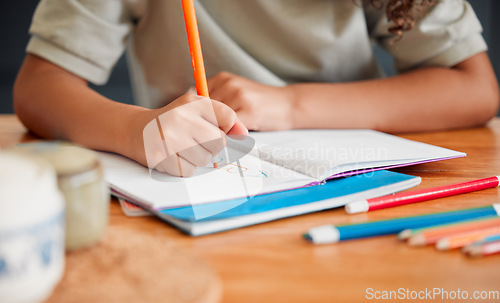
x=322 y=153
x=208 y=185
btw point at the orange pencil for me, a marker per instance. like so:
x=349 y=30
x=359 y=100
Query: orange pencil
x=432 y=235
x=193 y=36
x=466 y=238
x=200 y=77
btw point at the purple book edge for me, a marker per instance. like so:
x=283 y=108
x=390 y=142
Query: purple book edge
x=339 y=175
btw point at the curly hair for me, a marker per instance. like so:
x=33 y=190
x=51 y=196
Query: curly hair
x=403 y=13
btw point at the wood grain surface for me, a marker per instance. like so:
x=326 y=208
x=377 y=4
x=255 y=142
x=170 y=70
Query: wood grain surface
x=271 y=262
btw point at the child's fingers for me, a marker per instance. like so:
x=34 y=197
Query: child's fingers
x=247 y=119
x=226 y=119
x=176 y=166
x=210 y=137
x=215 y=82
x=196 y=155
x=238 y=129
x=225 y=87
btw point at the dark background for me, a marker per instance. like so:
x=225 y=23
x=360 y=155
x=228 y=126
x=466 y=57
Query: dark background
x=15 y=18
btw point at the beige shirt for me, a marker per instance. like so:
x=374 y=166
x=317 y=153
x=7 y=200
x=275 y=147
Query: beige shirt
x=276 y=42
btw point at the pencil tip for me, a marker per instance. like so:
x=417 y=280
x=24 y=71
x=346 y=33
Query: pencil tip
x=473 y=251
x=405 y=234
x=417 y=240
x=443 y=244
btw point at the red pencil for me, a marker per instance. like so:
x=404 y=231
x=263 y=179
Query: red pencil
x=421 y=195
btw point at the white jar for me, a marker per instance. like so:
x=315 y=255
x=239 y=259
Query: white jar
x=81 y=181
x=31 y=228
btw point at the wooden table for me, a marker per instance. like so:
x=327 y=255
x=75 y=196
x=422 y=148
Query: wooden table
x=272 y=263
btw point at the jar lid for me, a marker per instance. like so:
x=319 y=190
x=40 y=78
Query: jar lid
x=66 y=158
x=28 y=189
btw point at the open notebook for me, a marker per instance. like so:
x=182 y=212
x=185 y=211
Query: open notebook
x=279 y=161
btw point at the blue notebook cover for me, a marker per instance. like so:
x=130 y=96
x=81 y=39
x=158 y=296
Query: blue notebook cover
x=267 y=207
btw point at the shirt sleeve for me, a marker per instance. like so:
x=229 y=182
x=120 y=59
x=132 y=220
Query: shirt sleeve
x=447 y=35
x=85 y=37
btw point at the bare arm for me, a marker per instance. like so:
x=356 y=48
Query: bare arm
x=424 y=99
x=56 y=104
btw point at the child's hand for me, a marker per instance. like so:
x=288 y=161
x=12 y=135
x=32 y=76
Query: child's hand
x=260 y=107
x=187 y=133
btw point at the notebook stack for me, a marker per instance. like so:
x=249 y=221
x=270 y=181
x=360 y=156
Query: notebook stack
x=281 y=174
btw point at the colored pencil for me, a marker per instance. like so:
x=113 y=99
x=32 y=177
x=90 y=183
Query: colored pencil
x=421 y=195
x=408 y=233
x=332 y=234
x=432 y=235
x=460 y=240
x=493 y=238
x=193 y=35
x=486 y=249
x=489 y=239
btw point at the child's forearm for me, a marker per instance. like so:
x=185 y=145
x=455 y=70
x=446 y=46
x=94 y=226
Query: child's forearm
x=186 y=133
x=424 y=99
x=59 y=105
